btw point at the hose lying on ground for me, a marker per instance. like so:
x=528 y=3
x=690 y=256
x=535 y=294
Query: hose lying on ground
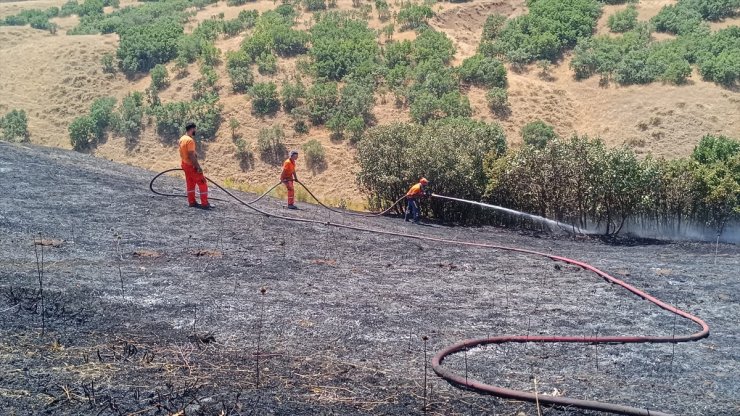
x=460 y=380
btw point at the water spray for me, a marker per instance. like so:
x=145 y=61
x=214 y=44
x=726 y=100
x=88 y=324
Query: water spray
x=532 y=217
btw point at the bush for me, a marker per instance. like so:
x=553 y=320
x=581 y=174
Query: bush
x=101 y=114
x=69 y=8
x=82 y=133
x=498 y=100
x=623 y=20
x=130 y=113
x=172 y=118
x=538 y=134
x=677 y=19
x=141 y=48
x=483 y=71
x=412 y=16
x=431 y=45
x=314 y=5
x=240 y=73
x=267 y=64
x=713 y=149
x=322 y=101
x=292 y=95
x=342 y=46
x=550 y=27
x=244 y=153
x=108 y=63
x=315 y=155
x=160 y=77
x=271 y=145
x=264 y=98
x=450 y=153
x=718 y=56
x=238 y=2
x=15 y=126
x=493 y=26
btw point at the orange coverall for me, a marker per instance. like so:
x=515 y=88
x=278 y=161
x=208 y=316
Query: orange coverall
x=192 y=176
x=287 y=176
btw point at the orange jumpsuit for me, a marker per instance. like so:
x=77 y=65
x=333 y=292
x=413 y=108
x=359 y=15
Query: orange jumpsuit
x=287 y=176
x=192 y=176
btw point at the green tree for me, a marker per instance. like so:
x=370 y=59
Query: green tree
x=342 y=46
x=141 y=48
x=238 y=67
x=292 y=95
x=102 y=116
x=271 y=144
x=412 y=16
x=498 y=100
x=322 y=101
x=130 y=114
x=714 y=149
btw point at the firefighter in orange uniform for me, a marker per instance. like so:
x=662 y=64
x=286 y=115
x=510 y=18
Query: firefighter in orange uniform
x=288 y=176
x=412 y=199
x=193 y=171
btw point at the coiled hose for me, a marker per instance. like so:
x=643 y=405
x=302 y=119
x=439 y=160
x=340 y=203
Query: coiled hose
x=460 y=380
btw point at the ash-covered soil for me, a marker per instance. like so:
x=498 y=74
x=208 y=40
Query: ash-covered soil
x=155 y=308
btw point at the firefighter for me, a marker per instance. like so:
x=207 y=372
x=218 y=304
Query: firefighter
x=412 y=199
x=193 y=170
x=288 y=176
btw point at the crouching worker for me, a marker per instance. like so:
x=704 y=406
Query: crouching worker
x=288 y=176
x=412 y=199
x=193 y=172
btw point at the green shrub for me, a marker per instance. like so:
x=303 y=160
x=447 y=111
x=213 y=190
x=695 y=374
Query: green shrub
x=412 y=16
x=240 y=73
x=267 y=64
x=322 y=101
x=314 y=5
x=315 y=155
x=431 y=45
x=342 y=46
x=292 y=95
x=713 y=149
x=244 y=153
x=676 y=19
x=498 y=100
x=69 y=8
x=82 y=133
x=141 y=48
x=493 y=26
x=102 y=116
x=108 y=63
x=160 y=77
x=264 y=98
x=537 y=134
x=248 y=18
x=130 y=113
x=718 y=56
x=271 y=145
x=623 y=20
x=550 y=27
x=15 y=126
x=483 y=71
x=238 y=2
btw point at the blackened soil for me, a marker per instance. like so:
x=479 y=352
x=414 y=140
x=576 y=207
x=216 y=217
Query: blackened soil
x=151 y=307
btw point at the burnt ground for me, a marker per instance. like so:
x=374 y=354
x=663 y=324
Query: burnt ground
x=155 y=308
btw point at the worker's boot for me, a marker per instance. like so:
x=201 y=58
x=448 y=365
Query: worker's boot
x=194 y=205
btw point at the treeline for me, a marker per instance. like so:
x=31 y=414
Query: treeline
x=578 y=181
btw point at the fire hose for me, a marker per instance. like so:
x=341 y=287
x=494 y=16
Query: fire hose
x=439 y=357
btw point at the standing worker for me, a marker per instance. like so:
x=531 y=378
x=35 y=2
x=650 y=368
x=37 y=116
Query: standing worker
x=288 y=176
x=412 y=199
x=193 y=171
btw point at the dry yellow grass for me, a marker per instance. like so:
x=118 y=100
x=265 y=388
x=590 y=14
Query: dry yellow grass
x=56 y=77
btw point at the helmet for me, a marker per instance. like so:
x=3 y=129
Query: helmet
x=423 y=181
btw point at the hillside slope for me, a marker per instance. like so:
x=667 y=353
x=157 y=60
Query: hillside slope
x=56 y=77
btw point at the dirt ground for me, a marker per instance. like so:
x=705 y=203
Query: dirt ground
x=156 y=308
x=55 y=78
